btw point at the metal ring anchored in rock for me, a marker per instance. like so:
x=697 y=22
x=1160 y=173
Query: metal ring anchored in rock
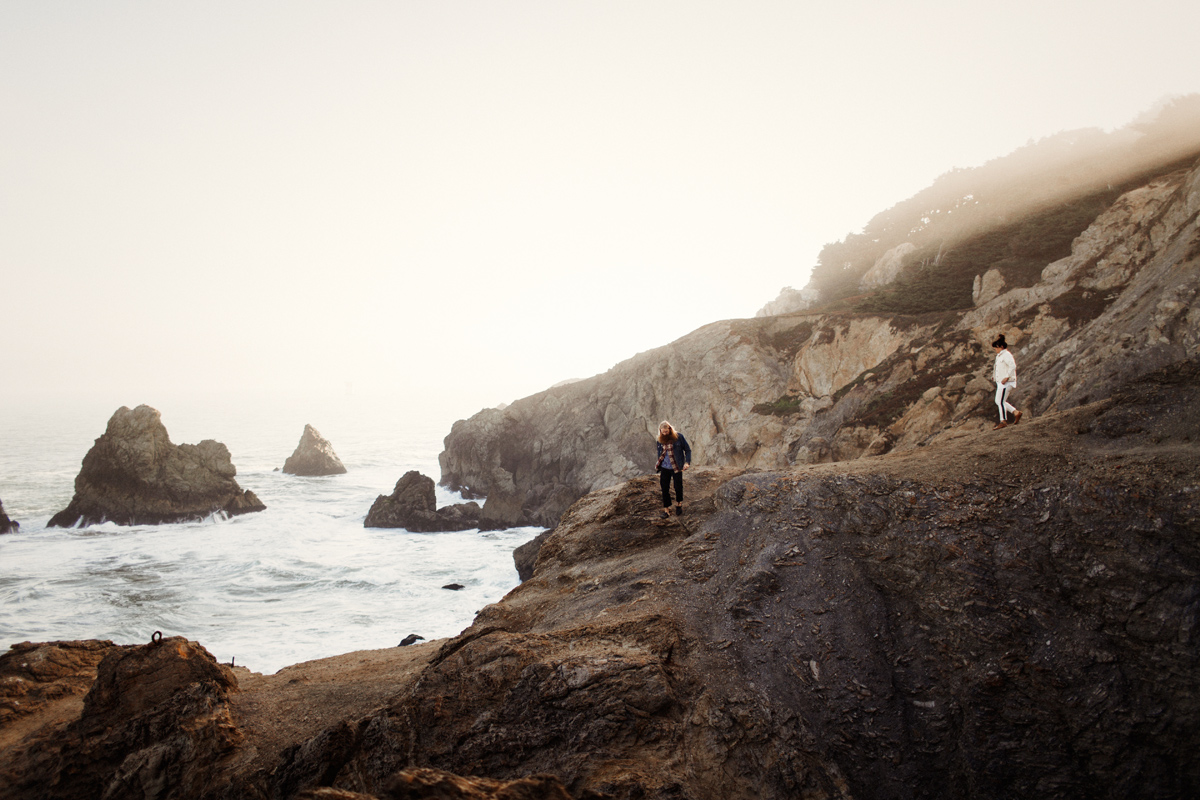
x=156 y=637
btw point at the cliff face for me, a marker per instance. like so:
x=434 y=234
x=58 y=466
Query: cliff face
x=809 y=388
x=999 y=614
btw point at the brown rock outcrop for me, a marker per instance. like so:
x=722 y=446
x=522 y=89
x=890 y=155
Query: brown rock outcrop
x=134 y=475
x=33 y=676
x=155 y=723
x=7 y=525
x=412 y=505
x=434 y=784
x=314 y=456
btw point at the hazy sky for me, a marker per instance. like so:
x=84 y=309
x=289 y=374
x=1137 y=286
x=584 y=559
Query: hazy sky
x=475 y=200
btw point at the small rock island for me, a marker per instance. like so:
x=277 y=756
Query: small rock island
x=314 y=456
x=412 y=505
x=134 y=475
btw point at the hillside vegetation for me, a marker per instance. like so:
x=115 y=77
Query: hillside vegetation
x=1014 y=214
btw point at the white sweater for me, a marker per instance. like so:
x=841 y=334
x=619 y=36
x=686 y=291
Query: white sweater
x=1006 y=367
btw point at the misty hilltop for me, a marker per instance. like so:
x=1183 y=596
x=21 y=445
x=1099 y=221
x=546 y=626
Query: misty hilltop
x=1081 y=248
x=1013 y=215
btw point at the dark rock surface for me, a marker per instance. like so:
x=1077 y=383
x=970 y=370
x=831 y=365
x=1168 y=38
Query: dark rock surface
x=1000 y=614
x=134 y=475
x=7 y=525
x=433 y=784
x=314 y=456
x=525 y=556
x=155 y=723
x=412 y=505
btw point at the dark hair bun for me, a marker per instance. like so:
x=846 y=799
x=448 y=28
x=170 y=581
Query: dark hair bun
x=1000 y=341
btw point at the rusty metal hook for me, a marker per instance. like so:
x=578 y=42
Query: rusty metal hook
x=156 y=637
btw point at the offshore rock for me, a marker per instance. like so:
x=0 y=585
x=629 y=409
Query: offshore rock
x=314 y=456
x=7 y=525
x=412 y=505
x=134 y=475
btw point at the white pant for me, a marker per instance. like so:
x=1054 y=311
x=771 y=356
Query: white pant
x=1002 y=392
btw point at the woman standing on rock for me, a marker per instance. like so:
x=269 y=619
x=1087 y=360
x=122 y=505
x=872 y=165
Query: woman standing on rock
x=674 y=456
x=1005 y=376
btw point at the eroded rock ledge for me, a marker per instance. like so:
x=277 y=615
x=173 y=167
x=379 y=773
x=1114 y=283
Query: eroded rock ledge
x=1000 y=614
x=134 y=475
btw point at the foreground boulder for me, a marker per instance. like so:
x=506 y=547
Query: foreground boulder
x=7 y=525
x=155 y=723
x=33 y=676
x=134 y=475
x=314 y=456
x=412 y=505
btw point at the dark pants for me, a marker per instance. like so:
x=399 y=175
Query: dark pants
x=664 y=478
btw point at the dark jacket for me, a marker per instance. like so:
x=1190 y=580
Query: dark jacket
x=680 y=452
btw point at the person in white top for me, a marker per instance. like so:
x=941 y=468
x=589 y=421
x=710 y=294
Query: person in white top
x=1005 y=376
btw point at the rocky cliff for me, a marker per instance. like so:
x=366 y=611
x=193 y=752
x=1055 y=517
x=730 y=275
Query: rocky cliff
x=134 y=475
x=812 y=387
x=998 y=614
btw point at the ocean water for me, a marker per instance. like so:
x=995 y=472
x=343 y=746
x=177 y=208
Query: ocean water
x=301 y=580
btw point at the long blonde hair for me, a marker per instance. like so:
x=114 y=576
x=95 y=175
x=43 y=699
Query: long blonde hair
x=670 y=437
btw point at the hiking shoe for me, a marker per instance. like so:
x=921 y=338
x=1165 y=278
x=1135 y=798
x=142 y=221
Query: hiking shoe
x=679 y=511
x=1016 y=418
x=999 y=425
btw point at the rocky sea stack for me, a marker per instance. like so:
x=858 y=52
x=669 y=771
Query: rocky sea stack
x=7 y=525
x=412 y=505
x=314 y=456
x=134 y=475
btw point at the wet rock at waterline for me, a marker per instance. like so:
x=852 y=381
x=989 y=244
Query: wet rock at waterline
x=7 y=525
x=134 y=475
x=314 y=456
x=412 y=505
